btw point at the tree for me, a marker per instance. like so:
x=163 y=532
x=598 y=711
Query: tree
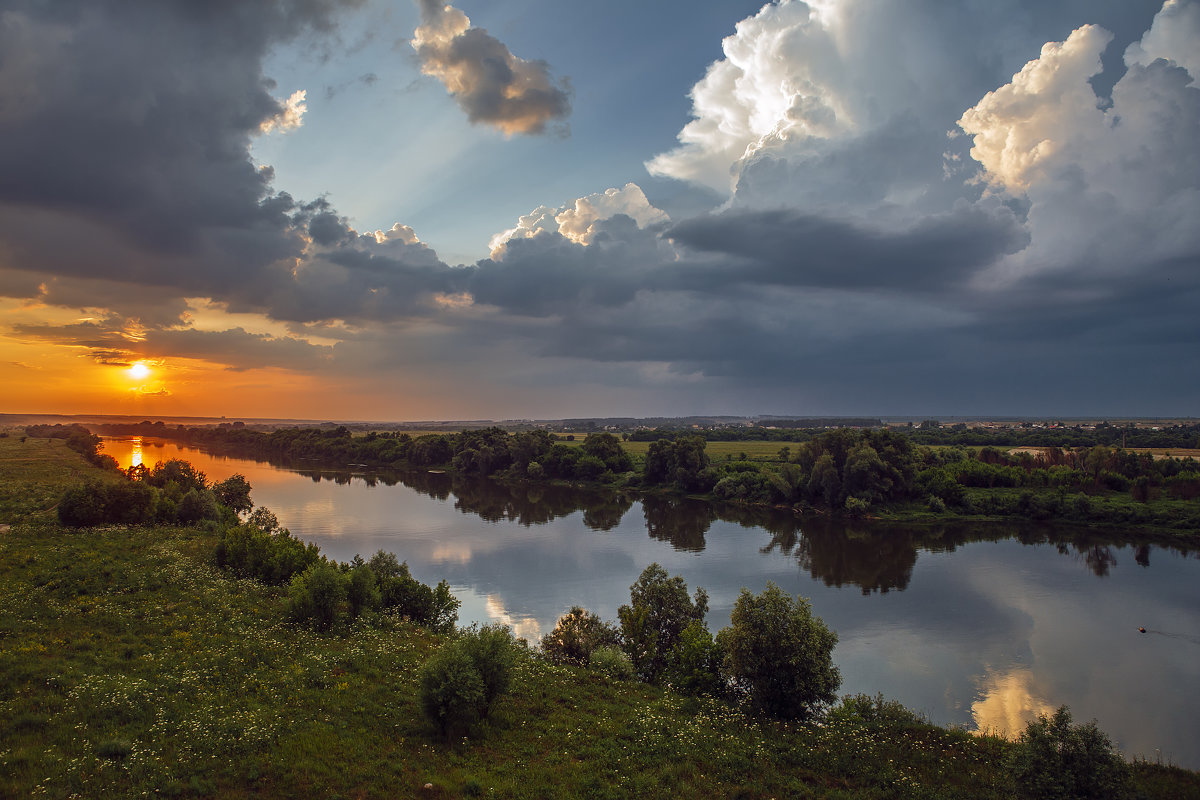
x=577 y=635
x=654 y=621
x=234 y=493
x=1055 y=760
x=780 y=655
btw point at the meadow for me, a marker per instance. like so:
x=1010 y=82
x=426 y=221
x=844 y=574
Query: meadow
x=131 y=666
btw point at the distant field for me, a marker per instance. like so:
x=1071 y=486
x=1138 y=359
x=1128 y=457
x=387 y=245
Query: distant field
x=1157 y=452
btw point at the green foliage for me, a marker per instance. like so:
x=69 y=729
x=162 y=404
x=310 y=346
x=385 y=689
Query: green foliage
x=780 y=655
x=613 y=662
x=654 y=621
x=1056 y=760
x=681 y=463
x=260 y=549
x=694 y=663
x=234 y=493
x=318 y=596
x=877 y=711
x=435 y=608
x=460 y=684
x=179 y=472
x=451 y=691
x=576 y=637
x=362 y=589
x=493 y=651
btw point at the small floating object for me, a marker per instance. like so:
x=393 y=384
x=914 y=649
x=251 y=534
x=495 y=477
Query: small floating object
x=1141 y=630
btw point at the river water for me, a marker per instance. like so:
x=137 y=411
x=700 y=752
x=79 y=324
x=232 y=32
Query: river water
x=981 y=626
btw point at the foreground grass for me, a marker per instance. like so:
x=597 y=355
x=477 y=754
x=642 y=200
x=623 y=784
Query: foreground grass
x=129 y=665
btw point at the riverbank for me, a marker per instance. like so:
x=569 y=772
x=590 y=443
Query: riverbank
x=131 y=665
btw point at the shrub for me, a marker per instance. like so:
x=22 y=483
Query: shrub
x=578 y=634
x=362 y=589
x=779 y=654
x=436 y=608
x=694 y=663
x=867 y=710
x=460 y=683
x=318 y=595
x=494 y=653
x=83 y=506
x=652 y=624
x=613 y=662
x=1055 y=760
x=451 y=691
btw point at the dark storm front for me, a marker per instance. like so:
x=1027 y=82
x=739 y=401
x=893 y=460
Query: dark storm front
x=983 y=626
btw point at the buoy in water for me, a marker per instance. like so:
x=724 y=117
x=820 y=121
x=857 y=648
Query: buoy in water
x=1141 y=630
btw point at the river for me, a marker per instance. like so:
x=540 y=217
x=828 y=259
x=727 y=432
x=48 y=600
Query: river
x=980 y=626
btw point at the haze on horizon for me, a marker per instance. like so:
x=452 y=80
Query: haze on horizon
x=386 y=210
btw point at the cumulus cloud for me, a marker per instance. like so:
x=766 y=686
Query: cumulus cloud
x=290 y=115
x=487 y=81
x=577 y=220
x=1113 y=186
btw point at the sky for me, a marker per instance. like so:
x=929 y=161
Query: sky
x=377 y=210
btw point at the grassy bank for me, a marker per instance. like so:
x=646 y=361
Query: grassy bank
x=130 y=665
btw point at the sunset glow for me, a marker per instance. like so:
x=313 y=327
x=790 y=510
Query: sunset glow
x=830 y=208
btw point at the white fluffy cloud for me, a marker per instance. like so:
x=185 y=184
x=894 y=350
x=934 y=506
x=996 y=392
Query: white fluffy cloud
x=576 y=221
x=1111 y=186
x=782 y=78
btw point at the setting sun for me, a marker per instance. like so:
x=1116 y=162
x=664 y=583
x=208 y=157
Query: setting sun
x=139 y=370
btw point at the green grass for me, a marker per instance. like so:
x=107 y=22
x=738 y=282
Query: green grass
x=131 y=666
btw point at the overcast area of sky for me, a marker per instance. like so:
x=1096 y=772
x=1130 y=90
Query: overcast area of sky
x=404 y=210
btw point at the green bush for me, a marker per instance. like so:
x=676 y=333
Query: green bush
x=493 y=651
x=272 y=555
x=318 y=595
x=779 y=654
x=451 y=691
x=612 y=661
x=875 y=711
x=651 y=625
x=694 y=663
x=578 y=634
x=1055 y=760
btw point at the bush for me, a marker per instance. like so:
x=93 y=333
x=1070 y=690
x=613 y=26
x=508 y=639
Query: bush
x=436 y=608
x=459 y=685
x=694 y=663
x=779 y=654
x=318 y=595
x=272 y=555
x=494 y=653
x=1055 y=760
x=451 y=691
x=867 y=710
x=654 y=621
x=578 y=634
x=613 y=662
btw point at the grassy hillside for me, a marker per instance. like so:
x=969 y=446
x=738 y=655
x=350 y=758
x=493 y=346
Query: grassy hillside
x=131 y=666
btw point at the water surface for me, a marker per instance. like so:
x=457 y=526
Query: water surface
x=978 y=626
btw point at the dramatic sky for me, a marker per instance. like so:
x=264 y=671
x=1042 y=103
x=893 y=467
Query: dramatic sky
x=381 y=209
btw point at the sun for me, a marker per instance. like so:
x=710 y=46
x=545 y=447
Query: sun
x=138 y=370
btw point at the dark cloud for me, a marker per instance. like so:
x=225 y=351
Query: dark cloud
x=126 y=131
x=108 y=341
x=793 y=248
x=487 y=81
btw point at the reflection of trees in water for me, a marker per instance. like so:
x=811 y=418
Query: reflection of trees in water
x=678 y=520
x=873 y=555
x=874 y=560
